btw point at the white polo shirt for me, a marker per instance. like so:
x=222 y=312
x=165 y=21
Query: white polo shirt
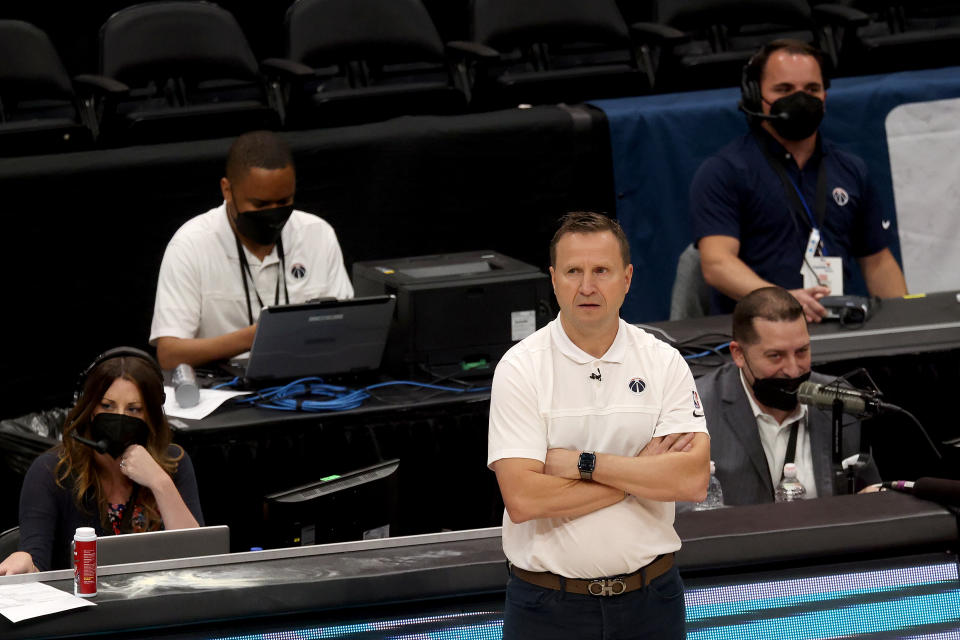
x=774 y=437
x=200 y=293
x=543 y=397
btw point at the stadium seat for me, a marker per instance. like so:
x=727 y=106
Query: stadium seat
x=39 y=111
x=550 y=51
x=177 y=71
x=354 y=61
x=690 y=297
x=699 y=44
x=9 y=541
x=875 y=36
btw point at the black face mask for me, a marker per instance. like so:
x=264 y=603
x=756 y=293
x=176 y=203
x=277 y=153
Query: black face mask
x=118 y=432
x=804 y=111
x=777 y=393
x=263 y=226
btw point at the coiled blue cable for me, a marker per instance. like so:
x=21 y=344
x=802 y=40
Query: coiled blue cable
x=289 y=397
x=708 y=352
x=224 y=385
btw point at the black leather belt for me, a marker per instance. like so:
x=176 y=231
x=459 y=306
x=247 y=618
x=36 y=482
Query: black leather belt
x=613 y=586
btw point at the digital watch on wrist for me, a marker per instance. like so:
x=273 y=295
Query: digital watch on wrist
x=587 y=464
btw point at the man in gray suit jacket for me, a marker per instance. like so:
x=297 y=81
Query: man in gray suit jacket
x=751 y=405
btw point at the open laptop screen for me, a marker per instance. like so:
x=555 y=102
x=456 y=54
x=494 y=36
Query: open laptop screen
x=163 y=545
x=320 y=338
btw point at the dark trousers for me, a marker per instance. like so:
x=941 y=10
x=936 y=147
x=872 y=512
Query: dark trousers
x=656 y=612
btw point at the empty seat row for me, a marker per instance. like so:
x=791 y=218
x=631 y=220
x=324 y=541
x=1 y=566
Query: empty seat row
x=176 y=70
x=180 y=70
x=702 y=43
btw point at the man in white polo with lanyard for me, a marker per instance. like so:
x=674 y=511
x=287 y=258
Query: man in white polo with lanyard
x=223 y=267
x=596 y=429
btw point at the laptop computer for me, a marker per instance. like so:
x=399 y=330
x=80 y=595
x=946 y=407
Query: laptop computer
x=324 y=338
x=163 y=545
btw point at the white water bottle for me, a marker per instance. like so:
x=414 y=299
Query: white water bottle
x=790 y=488
x=714 y=499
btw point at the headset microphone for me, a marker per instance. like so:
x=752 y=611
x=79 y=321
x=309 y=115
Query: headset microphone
x=97 y=445
x=760 y=115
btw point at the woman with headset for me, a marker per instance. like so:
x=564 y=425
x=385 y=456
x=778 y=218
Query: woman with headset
x=116 y=469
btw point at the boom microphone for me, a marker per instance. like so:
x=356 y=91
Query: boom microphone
x=854 y=401
x=935 y=489
x=761 y=115
x=97 y=445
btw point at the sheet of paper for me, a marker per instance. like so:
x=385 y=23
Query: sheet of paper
x=34 y=599
x=210 y=400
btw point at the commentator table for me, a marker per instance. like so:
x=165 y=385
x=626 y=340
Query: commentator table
x=846 y=565
x=241 y=453
x=917 y=324
x=911 y=349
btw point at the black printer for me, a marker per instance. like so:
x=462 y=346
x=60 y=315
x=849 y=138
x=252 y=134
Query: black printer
x=456 y=313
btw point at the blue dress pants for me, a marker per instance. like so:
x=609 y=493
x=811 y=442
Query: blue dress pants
x=655 y=612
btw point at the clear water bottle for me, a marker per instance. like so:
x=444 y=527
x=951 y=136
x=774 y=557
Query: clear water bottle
x=790 y=488
x=714 y=499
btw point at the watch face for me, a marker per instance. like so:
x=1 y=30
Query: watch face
x=587 y=462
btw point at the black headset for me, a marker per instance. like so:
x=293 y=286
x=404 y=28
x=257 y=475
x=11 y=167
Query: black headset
x=751 y=97
x=117 y=352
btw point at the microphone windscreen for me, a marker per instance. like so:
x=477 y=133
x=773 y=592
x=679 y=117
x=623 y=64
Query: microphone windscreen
x=938 y=490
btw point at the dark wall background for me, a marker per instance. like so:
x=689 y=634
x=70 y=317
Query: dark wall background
x=85 y=232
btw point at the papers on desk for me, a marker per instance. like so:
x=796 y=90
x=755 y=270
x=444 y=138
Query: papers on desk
x=34 y=599
x=210 y=400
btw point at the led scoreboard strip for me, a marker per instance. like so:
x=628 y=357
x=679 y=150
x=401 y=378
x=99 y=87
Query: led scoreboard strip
x=915 y=598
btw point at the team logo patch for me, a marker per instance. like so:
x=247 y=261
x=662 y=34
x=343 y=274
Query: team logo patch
x=697 y=406
x=840 y=196
x=637 y=385
x=298 y=271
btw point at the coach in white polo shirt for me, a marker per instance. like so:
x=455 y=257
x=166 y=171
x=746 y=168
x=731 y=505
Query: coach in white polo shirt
x=223 y=267
x=595 y=429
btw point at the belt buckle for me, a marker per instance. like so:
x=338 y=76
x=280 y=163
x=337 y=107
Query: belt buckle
x=606 y=587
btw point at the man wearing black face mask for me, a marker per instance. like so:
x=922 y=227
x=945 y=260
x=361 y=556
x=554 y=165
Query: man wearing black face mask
x=783 y=206
x=752 y=409
x=222 y=267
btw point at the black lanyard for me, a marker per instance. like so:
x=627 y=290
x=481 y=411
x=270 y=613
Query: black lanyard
x=814 y=219
x=245 y=271
x=791 y=445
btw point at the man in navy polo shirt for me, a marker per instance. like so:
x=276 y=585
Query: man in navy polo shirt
x=781 y=205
